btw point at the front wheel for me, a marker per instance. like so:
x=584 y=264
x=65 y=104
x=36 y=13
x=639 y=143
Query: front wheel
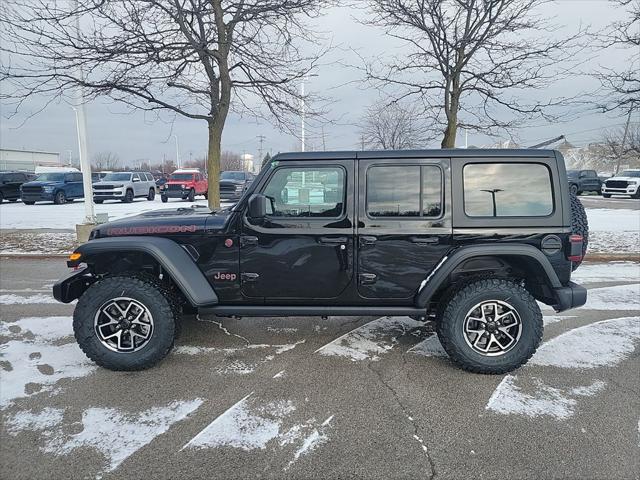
x=637 y=194
x=128 y=197
x=28 y=202
x=152 y=194
x=125 y=323
x=573 y=189
x=60 y=198
x=192 y=195
x=490 y=326
x=606 y=195
x=164 y=198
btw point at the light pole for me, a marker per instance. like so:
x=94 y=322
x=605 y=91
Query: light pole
x=493 y=199
x=81 y=126
x=177 y=152
x=303 y=115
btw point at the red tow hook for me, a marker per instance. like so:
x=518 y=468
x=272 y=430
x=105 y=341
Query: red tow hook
x=575 y=254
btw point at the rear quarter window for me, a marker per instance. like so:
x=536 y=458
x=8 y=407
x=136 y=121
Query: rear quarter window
x=507 y=190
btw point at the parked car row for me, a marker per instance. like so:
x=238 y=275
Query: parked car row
x=65 y=186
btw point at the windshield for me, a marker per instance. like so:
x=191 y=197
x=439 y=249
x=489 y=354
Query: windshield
x=232 y=176
x=630 y=173
x=121 y=177
x=181 y=176
x=50 y=177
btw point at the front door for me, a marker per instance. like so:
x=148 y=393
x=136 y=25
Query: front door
x=304 y=247
x=404 y=229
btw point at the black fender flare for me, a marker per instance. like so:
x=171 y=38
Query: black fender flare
x=171 y=256
x=453 y=259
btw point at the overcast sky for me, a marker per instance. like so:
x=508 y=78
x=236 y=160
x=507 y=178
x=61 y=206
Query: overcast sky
x=133 y=137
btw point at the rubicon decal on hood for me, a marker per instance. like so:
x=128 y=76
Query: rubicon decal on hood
x=151 y=229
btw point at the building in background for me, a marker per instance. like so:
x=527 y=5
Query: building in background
x=248 y=164
x=28 y=160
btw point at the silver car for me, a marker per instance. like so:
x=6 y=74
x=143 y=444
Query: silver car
x=124 y=186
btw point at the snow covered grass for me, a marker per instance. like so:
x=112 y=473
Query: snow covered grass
x=607 y=272
x=12 y=299
x=613 y=230
x=65 y=217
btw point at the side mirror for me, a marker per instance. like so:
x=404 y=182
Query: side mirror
x=257 y=206
x=136 y=180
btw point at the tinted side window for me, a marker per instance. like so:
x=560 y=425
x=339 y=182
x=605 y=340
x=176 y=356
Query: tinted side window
x=590 y=174
x=507 y=190
x=76 y=177
x=404 y=191
x=306 y=192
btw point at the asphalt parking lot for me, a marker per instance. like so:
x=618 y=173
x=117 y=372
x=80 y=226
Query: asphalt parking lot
x=314 y=398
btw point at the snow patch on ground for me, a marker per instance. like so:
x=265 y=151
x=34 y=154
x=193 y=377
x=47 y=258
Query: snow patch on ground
x=550 y=319
x=613 y=220
x=31 y=363
x=538 y=399
x=619 y=297
x=12 y=299
x=600 y=344
x=250 y=425
x=115 y=434
x=49 y=243
x=371 y=340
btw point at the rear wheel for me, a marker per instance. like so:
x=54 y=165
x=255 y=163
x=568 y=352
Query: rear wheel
x=152 y=194
x=490 y=326
x=125 y=323
x=579 y=225
x=60 y=198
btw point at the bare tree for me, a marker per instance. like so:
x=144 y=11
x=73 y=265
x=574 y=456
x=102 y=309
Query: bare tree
x=621 y=88
x=201 y=59
x=392 y=127
x=467 y=62
x=623 y=146
x=231 y=161
x=105 y=160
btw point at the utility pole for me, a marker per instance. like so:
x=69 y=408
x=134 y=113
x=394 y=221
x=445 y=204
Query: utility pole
x=262 y=139
x=81 y=126
x=624 y=140
x=303 y=114
x=324 y=140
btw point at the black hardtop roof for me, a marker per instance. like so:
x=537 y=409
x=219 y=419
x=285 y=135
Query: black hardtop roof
x=402 y=154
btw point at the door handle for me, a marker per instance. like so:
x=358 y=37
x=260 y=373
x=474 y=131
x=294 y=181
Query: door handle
x=367 y=240
x=334 y=240
x=367 y=278
x=250 y=277
x=247 y=241
x=425 y=240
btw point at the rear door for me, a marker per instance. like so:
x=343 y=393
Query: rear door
x=404 y=229
x=304 y=248
x=591 y=181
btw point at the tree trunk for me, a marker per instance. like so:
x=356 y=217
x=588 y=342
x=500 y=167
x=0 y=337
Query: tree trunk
x=213 y=165
x=449 y=140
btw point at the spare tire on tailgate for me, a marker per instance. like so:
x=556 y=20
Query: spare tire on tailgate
x=579 y=225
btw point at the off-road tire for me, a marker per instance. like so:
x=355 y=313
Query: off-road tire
x=142 y=290
x=192 y=195
x=128 y=196
x=450 y=327
x=59 y=198
x=164 y=198
x=152 y=194
x=579 y=226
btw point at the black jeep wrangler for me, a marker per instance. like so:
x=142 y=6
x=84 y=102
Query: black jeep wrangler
x=470 y=238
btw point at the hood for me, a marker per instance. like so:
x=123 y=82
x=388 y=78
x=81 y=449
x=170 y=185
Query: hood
x=165 y=223
x=628 y=179
x=232 y=182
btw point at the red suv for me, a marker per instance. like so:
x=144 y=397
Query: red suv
x=185 y=184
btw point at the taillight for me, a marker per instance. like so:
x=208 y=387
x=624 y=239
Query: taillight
x=575 y=241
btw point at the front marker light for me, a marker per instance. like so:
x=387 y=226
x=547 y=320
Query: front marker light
x=75 y=256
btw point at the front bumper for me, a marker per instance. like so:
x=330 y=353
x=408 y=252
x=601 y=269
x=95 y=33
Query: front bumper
x=231 y=195
x=629 y=190
x=571 y=296
x=69 y=288
x=37 y=197
x=175 y=193
x=108 y=194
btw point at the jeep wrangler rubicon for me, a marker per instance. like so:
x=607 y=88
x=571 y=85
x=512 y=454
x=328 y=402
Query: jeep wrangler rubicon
x=471 y=238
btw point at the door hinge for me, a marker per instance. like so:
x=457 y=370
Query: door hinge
x=367 y=278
